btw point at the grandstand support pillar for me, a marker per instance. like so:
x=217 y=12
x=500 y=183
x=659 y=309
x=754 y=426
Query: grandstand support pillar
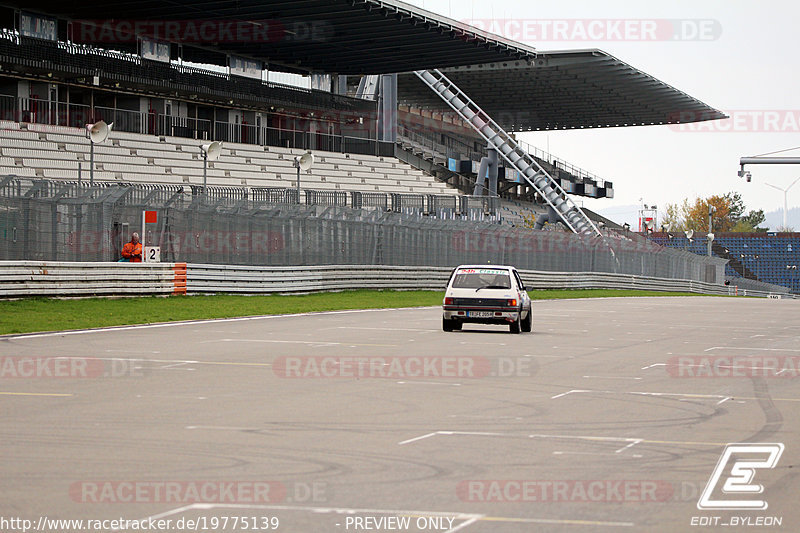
x=487 y=171
x=341 y=84
x=387 y=129
x=483 y=169
x=493 y=168
x=312 y=130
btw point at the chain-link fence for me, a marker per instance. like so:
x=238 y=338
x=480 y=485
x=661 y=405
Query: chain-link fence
x=59 y=221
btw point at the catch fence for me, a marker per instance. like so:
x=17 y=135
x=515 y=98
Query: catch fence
x=46 y=220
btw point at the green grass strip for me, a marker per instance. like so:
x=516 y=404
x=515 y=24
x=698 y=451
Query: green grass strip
x=50 y=314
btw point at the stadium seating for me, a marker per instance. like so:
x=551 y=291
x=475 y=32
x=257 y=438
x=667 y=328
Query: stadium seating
x=57 y=152
x=762 y=256
x=520 y=214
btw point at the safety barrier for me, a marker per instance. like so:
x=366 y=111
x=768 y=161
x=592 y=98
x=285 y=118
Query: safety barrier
x=250 y=280
x=44 y=278
x=60 y=278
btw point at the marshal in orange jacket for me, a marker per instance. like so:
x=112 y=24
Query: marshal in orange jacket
x=132 y=251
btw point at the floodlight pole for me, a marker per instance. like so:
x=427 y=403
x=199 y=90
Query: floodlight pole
x=91 y=162
x=711 y=210
x=205 y=170
x=297 y=165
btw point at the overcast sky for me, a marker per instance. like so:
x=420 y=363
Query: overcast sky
x=744 y=64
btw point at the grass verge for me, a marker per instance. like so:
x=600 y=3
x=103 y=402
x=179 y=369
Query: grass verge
x=48 y=314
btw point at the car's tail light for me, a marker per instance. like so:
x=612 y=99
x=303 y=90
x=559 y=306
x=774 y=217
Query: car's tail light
x=512 y=302
x=448 y=301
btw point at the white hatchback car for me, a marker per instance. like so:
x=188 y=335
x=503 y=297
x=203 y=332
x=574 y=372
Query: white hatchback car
x=486 y=294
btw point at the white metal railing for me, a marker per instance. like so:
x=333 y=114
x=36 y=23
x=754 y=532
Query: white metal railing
x=560 y=164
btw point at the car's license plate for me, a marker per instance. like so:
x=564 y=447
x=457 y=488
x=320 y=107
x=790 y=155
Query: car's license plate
x=480 y=314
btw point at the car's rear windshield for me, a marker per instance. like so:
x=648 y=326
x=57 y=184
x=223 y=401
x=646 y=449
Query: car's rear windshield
x=477 y=278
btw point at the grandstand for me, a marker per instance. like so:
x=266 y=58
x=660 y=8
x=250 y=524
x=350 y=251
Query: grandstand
x=58 y=152
x=767 y=257
x=402 y=112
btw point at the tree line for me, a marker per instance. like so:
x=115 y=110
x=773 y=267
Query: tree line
x=731 y=215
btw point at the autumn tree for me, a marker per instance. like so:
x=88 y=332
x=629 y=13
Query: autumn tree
x=673 y=218
x=728 y=216
x=697 y=215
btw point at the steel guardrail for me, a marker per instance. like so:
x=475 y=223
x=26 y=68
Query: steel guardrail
x=52 y=278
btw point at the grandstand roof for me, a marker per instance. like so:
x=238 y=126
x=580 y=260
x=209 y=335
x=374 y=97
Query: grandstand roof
x=522 y=89
x=338 y=36
x=565 y=90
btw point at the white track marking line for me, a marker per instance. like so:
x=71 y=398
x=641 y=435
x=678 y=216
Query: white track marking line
x=428 y=383
x=631 y=445
x=686 y=395
x=715 y=366
x=417 y=438
x=463 y=524
x=479 y=433
x=223 y=428
x=568 y=392
x=471 y=433
x=640 y=393
x=624 y=439
x=385 y=329
x=562 y=452
x=753 y=349
x=725 y=399
x=138 y=360
x=175 y=365
x=610 y=377
x=9 y=393
x=131 y=351
x=311 y=343
x=584 y=437
x=204 y=321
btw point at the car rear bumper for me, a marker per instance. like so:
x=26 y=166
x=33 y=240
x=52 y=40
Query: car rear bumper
x=487 y=316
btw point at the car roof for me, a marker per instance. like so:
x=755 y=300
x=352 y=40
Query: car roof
x=497 y=267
